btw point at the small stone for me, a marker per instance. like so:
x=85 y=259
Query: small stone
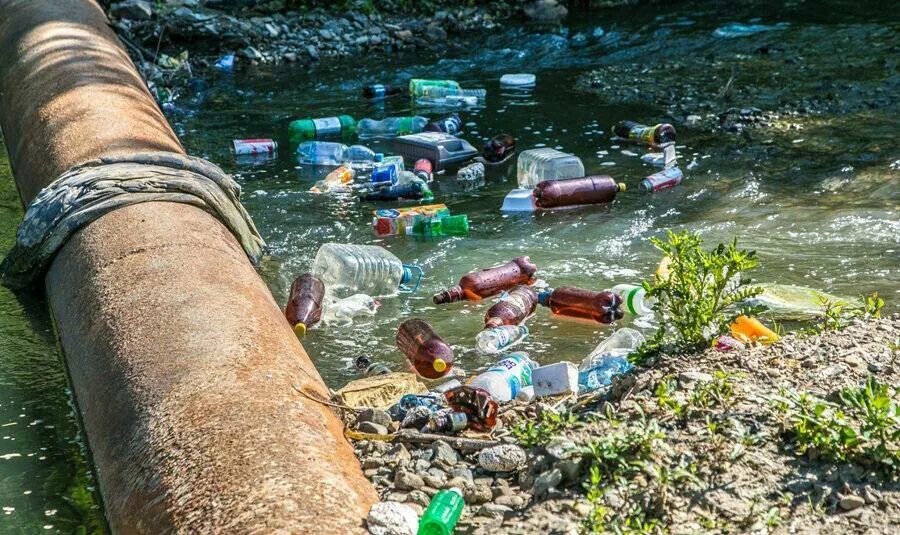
x=462 y=472
x=404 y=35
x=371 y=427
x=396 y=455
x=477 y=494
x=131 y=9
x=692 y=120
x=375 y=416
x=510 y=500
x=419 y=497
x=570 y=469
x=290 y=56
x=457 y=483
x=443 y=455
x=502 y=458
x=396 y=497
x=312 y=51
x=689 y=378
x=420 y=465
x=870 y=495
x=436 y=481
x=545 y=482
x=408 y=481
x=545 y=11
x=392 y=518
x=494 y=510
x=272 y=30
x=850 y=502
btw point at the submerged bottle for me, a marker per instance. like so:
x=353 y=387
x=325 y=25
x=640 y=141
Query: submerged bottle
x=452 y=124
x=428 y=353
x=433 y=227
x=365 y=269
x=498 y=339
x=634 y=298
x=651 y=135
x=417 y=85
x=499 y=148
x=437 y=92
x=602 y=373
x=449 y=101
x=471 y=173
x=512 y=309
x=537 y=165
x=304 y=306
x=602 y=307
x=334 y=180
x=665 y=179
x=414 y=190
x=575 y=191
x=380 y=91
x=331 y=153
x=442 y=513
x=305 y=129
x=390 y=126
x=490 y=281
x=620 y=344
x=504 y=379
x=365 y=365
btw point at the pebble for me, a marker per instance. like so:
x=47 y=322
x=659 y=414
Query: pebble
x=442 y=454
x=510 y=500
x=545 y=482
x=494 y=510
x=397 y=455
x=477 y=494
x=462 y=472
x=689 y=378
x=502 y=458
x=375 y=416
x=850 y=502
x=372 y=427
x=408 y=481
x=392 y=518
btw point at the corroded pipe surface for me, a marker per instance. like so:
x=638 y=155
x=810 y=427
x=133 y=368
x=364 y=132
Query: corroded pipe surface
x=181 y=363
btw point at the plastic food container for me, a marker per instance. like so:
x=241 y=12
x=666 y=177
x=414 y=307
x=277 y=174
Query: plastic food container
x=537 y=165
x=519 y=200
x=442 y=150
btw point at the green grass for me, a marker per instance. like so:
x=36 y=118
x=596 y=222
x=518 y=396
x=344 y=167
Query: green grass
x=719 y=392
x=531 y=434
x=836 y=316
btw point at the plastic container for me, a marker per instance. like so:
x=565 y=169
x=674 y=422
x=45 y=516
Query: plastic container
x=602 y=307
x=651 y=135
x=518 y=80
x=620 y=344
x=519 y=200
x=433 y=227
x=602 y=373
x=342 y=311
x=498 y=149
x=747 y=329
x=254 y=147
x=381 y=91
x=452 y=124
x=306 y=129
x=490 y=281
x=394 y=221
x=428 y=353
x=414 y=190
x=390 y=126
x=367 y=269
x=576 y=191
x=442 y=150
x=304 y=306
x=634 y=299
x=665 y=179
x=472 y=172
x=504 y=379
x=442 y=513
x=537 y=165
x=321 y=153
x=513 y=308
x=499 y=339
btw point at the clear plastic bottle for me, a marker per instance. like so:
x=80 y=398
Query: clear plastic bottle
x=415 y=189
x=361 y=155
x=504 y=379
x=347 y=269
x=449 y=101
x=342 y=311
x=602 y=373
x=331 y=153
x=634 y=299
x=390 y=126
x=442 y=513
x=537 y=165
x=436 y=92
x=417 y=85
x=620 y=344
x=471 y=173
x=499 y=339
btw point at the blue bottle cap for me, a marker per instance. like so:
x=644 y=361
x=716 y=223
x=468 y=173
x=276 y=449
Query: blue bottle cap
x=544 y=297
x=411 y=271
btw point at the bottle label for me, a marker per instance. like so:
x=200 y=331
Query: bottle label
x=667 y=178
x=629 y=299
x=377 y=91
x=327 y=125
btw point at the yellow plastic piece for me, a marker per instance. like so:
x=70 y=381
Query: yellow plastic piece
x=439 y=365
x=747 y=329
x=300 y=330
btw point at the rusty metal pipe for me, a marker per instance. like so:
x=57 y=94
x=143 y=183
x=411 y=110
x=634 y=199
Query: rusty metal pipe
x=181 y=363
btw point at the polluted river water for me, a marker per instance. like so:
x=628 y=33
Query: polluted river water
x=817 y=199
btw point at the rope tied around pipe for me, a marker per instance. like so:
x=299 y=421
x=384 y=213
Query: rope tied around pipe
x=86 y=192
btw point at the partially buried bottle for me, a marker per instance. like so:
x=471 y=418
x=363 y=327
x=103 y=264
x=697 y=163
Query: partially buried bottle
x=620 y=344
x=304 y=129
x=304 y=306
x=602 y=307
x=576 y=191
x=498 y=339
x=442 y=513
x=446 y=421
x=428 y=353
x=504 y=379
x=348 y=269
x=490 y=281
x=512 y=309
x=651 y=135
x=499 y=148
x=390 y=126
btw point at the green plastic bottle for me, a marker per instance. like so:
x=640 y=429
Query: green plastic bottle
x=451 y=225
x=306 y=129
x=417 y=85
x=442 y=514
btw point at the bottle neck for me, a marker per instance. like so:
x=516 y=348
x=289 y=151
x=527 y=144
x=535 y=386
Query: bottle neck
x=450 y=295
x=544 y=297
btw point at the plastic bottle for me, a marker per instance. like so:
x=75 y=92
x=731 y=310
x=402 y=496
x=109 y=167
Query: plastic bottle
x=451 y=225
x=365 y=269
x=575 y=191
x=417 y=85
x=490 y=281
x=342 y=311
x=390 y=126
x=305 y=129
x=449 y=101
x=361 y=155
x=429 y=355
x=634 y=299
x=620 y=344
x=436 y=92
x=499 y=148
x=477 y=403
x=365 y=365
x=415 y=189
x=304 y=306
x=446 y=421
x=442 y=513
x=424 y=170
x=504 y=379
x=747 y=329
x=330 y=153
x=602 y=373
x=651 y=135
x=380 y=91
x=334 y=180
x=602 y=307
x=512 y=309
x=498 y=339
x=471 y=173
x=452 y=124
x=665 y=179
x=537 y=165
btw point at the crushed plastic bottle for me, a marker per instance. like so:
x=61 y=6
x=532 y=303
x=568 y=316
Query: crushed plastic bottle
x=471 y=173
x=576 y=191
x=442 y=513
x=435 y=227
x=513 y=307
x=452 y=124
x=620 y=344
x=336 y=180
x=390 y=126
x=499 y=339
x=665 y=179
x=446 y=421
x=306 y=129
x=478 y=405
x=483 y=283
x=602 y=374
x=504 y=379
x=634 y=298
x=538 y=165
x=602 y=307
x=639 y=133
x=341 y=312
x=427 y=352
x=369 y=269
x=304 y=306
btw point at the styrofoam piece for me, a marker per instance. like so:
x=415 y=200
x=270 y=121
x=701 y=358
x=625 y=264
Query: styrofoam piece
x=519 y=200
x=553 y=379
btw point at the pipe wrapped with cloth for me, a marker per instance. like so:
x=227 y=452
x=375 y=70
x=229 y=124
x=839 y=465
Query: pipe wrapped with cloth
x=182 y=366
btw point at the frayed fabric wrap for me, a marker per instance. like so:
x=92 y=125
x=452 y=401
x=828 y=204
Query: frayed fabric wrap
x=88 y=191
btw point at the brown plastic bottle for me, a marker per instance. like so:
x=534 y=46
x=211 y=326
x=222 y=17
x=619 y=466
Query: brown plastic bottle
x=304 y=306
x=487 y=282
x=429 y=355
x=651 y=135
x=574 y=191
x=513 y=308
x=602 y=307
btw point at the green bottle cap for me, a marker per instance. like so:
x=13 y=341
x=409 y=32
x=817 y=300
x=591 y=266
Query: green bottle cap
x=301 y=130
x=348 y=125
x=455 y=225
